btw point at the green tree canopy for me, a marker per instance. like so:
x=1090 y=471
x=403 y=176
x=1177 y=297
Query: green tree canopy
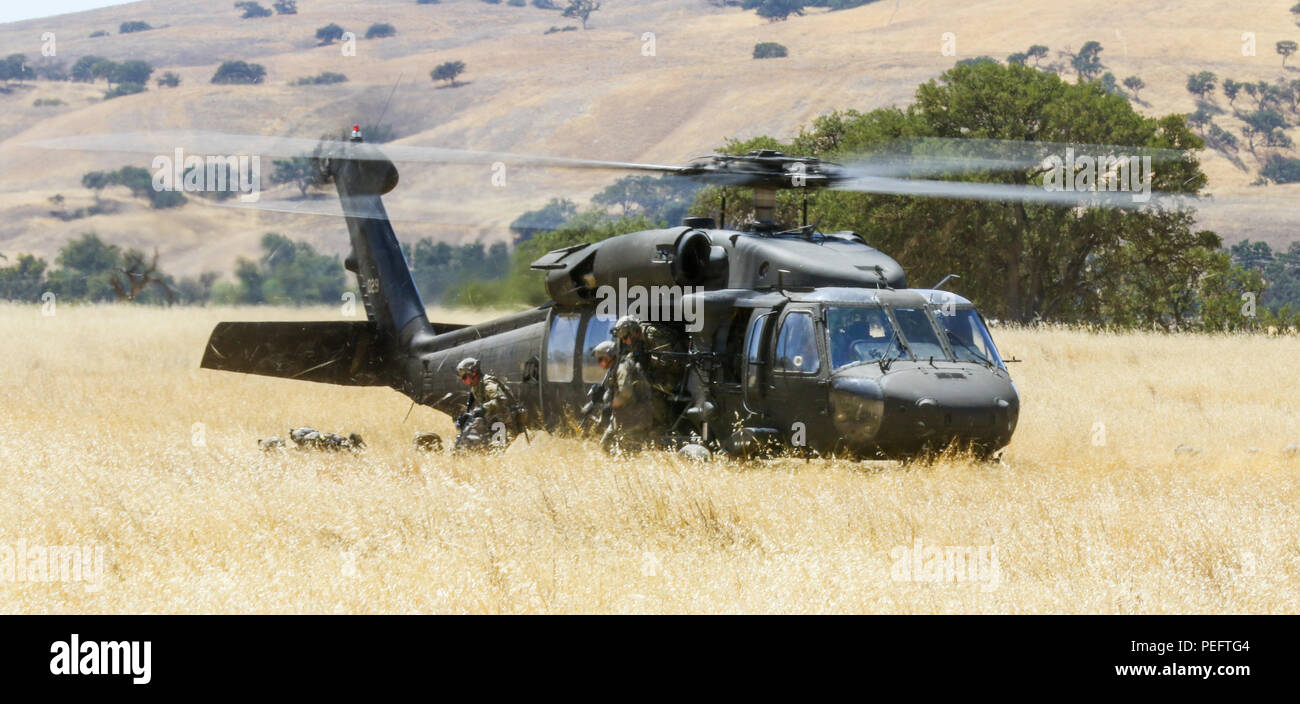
x=1023 y=261
x=544 y=219
x=1201 y=84
x=131 y=72
x=15 y=68
x=239 y=72
x=448 y=71
x=581 y=10
x=329 y=33
x=1286 y=49
x=1087 y=63
x=522 y=285
x=289 y=272
x=81 y=70
x=24 y=280
x=252 y=10
x=775 y=10
x=86 y=268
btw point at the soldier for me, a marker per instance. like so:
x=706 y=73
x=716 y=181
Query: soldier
x=311 y=439
x=632 y=402
x=490 y=402
x=655 y=346
x=596 y=412
x=657 y=350
x=661 y=350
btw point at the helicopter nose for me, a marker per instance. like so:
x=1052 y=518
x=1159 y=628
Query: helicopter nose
x=906 y=409
x=952 y=404
x=857 y=408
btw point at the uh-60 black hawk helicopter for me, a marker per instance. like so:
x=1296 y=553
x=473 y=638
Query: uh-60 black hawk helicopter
x=796 y=337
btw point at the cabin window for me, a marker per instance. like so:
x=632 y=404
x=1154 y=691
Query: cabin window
x=734 y=369
x=754 y=351
x=796 y=347
x=597 y=332
x=559 y=347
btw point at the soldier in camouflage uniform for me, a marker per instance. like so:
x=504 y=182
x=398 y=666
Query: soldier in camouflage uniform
x=490 y=403
x=654 y=347
x=632 y=400
x=311 y=439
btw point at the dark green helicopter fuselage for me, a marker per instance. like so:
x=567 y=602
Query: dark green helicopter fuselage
x=800 y=339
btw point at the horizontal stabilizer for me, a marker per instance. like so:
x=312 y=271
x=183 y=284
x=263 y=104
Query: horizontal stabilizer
x=331 y=352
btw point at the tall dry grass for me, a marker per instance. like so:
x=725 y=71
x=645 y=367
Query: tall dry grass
x=1092 y=511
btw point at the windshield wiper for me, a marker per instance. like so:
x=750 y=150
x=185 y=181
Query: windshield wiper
x=954 y=336
x=888 y=357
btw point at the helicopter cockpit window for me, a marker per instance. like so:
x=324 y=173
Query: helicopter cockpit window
x=597 y=332
x=559 y=347
x=860 y=335
x=969 y=339
x=796 y=348
x=915 y=325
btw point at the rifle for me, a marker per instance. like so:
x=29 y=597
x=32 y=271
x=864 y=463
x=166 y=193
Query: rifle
x=596 y=395
x=595 y=401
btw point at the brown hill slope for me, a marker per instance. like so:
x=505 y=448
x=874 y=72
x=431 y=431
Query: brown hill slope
x=583 y=93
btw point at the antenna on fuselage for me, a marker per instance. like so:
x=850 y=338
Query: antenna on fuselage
x=939 y=285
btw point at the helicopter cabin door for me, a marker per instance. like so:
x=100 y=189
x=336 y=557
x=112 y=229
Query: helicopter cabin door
x=796 y=388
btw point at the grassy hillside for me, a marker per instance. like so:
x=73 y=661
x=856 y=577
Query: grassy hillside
x=588 y=93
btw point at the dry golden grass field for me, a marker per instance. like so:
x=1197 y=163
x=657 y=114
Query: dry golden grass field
x=99 y=448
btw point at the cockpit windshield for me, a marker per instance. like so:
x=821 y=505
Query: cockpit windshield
x=865 y=334
x=916 y=327
x=861 y=335
x=968 y=337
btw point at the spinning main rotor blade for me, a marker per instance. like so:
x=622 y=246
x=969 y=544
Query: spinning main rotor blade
x=220 y=143
x=352 y=207
x=897 y=168
x=968 y=190
x=936 y=156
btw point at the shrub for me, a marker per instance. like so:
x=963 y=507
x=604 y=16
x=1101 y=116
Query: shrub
x=769 y=50
x=135 y=26
x=325 y=78
x=380 y=31
x=124 y=89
